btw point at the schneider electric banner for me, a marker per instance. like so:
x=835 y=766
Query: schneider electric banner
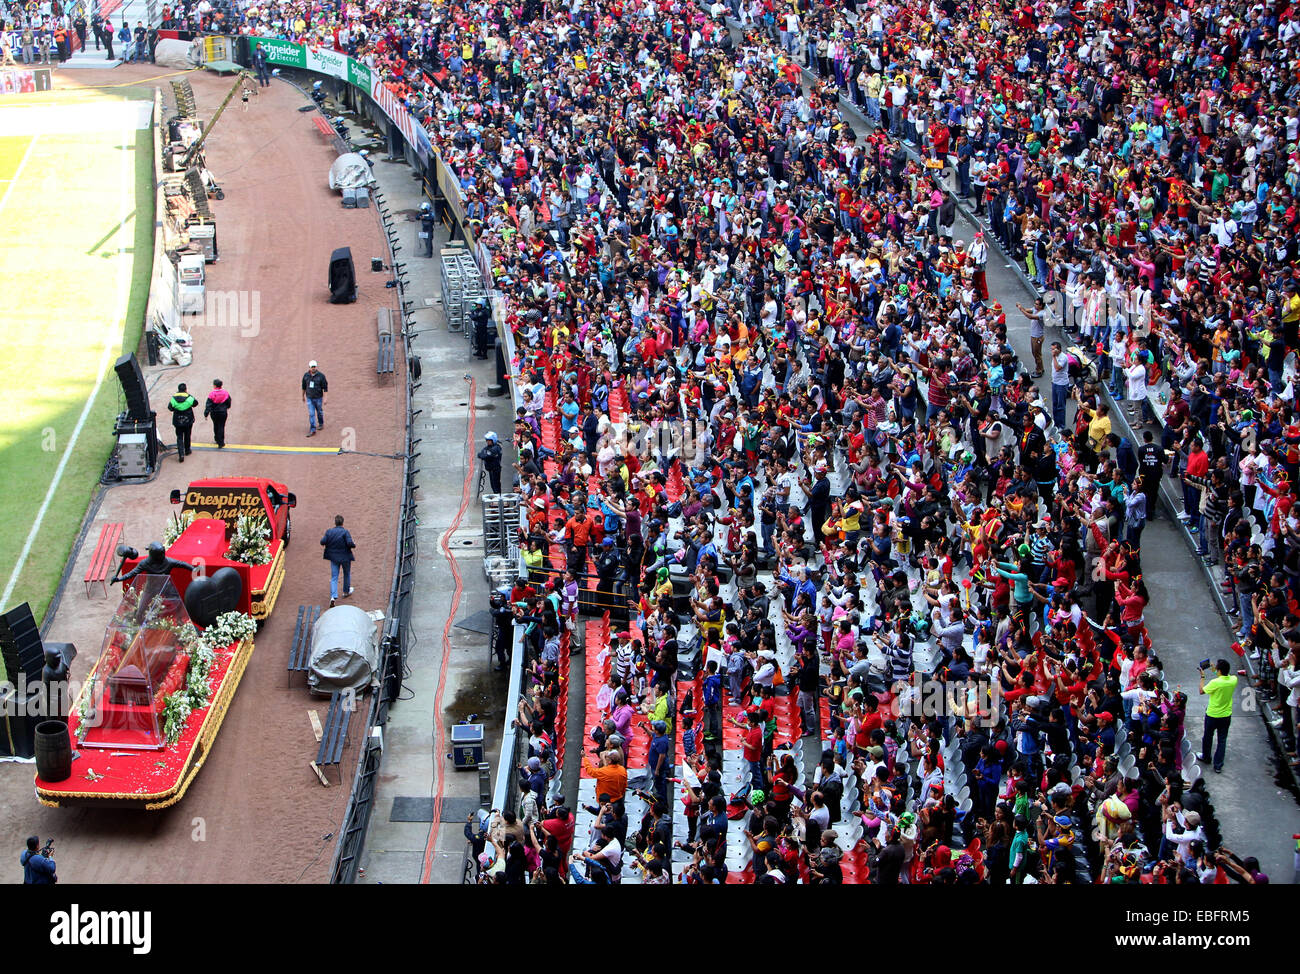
x=286 y=54
x=329 y=62
x=282 y=54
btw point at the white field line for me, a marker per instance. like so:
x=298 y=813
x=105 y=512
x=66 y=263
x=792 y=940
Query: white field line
x=111 y=344
x=13 y=180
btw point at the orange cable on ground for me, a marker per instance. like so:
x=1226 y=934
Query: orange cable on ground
x=440 y=768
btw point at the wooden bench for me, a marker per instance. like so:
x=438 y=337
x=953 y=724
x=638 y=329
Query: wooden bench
x=101 y=561
x=324 y=127
x=334 y=736
x=300 y=651
x=385 y=364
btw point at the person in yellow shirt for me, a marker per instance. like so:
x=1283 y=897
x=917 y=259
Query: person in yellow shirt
x=1291 y=305
x=1218 y=713
x=1099 y=426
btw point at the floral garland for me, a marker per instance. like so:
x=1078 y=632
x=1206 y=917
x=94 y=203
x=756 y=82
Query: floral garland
x=84 y=706
x=250 y=541
x=230 y=627
x=175 y=713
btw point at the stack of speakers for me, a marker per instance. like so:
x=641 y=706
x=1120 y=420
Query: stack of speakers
x=24 y=658
x=137 y=426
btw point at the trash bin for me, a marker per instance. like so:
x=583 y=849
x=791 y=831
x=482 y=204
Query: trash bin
x=466 y=746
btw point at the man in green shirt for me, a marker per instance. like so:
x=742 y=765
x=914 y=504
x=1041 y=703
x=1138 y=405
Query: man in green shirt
x=182 y=407
x=1218 y=715
x=1218 y=185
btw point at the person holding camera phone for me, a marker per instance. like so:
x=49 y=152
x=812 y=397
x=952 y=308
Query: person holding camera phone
x=1218 y=715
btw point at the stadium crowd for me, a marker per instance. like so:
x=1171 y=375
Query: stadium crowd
x=779 y=381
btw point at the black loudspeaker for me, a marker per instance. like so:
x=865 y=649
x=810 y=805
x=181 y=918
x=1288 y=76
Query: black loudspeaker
x=137 y=393
x=342 y=277
x=20 y=645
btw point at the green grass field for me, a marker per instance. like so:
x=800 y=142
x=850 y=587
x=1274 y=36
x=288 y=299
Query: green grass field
x=76 y=248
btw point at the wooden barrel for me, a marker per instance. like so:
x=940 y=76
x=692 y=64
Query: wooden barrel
x=53 y=751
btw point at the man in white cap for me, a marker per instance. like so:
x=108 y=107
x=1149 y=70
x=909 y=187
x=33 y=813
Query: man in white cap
x=314 y=388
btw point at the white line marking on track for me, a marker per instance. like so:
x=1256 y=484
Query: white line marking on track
x=111 y=344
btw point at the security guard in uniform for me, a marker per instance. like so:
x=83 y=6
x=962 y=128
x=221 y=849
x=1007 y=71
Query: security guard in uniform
x=1151 y=467
x=479 y=316
x=491 y=457
x=609 y=565
x=426 y=228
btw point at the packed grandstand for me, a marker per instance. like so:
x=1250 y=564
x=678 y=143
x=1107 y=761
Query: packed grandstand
x=868 y=602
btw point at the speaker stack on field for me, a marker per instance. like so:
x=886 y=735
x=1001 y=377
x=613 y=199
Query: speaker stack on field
x=24 y=658
x=137 y=426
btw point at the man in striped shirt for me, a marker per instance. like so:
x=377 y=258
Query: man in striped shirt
x=1040 y=546
x=899 y=655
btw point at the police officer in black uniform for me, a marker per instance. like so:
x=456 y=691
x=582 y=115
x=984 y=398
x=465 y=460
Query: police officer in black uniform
x=503 y=628
x=426 y=229
x=479 y=317
x=490 y=455
x=609 y=563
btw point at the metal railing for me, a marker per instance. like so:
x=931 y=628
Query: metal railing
x=356 y=818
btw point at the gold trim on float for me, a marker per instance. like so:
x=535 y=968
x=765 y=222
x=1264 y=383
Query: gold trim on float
x=275 y=579
x=212 y=721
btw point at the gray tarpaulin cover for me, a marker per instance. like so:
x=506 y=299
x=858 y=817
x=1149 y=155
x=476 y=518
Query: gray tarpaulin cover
x=350 y=171
x=177 y=54
x=344 y=650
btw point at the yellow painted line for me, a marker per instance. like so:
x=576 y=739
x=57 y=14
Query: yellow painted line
x=264 y=448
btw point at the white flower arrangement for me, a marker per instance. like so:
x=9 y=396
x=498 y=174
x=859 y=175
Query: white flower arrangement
x=230 y=627
x=250 y=541
x=176 y=525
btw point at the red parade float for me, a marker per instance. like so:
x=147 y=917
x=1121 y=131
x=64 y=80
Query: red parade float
x=176 y=648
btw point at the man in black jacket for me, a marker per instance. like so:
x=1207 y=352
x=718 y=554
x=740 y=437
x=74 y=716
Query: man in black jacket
x=259 y=64
x=314 y=389
x=182 y=406
x=338 y=545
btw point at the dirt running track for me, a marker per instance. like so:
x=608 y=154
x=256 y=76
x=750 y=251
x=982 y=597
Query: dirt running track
x=256 y=812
